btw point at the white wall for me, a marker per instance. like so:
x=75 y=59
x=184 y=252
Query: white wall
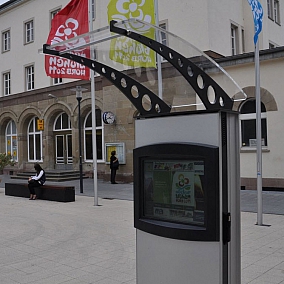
x=204 y=23
x=221 y=14
x=22 y=54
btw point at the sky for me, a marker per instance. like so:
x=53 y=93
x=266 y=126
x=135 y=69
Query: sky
x=3 y=1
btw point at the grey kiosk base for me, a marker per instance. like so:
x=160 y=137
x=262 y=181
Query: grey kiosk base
x=188 y=237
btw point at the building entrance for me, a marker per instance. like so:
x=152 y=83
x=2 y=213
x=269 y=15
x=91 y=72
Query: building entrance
x=63 y=144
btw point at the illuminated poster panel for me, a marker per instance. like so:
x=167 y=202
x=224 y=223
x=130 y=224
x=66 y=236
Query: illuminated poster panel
x=176 y=191
x=119 y=148
x=173 y=191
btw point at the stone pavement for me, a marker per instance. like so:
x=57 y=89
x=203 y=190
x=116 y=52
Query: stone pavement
x=50 y=242
x=44 y=242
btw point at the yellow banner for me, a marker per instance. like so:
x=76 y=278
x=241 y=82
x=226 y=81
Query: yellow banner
x=128 y=51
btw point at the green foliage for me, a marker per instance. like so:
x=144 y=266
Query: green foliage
x=6 y=160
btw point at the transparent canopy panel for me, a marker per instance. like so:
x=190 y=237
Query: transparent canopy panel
x=148 y=67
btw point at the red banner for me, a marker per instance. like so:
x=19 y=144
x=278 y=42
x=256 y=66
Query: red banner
x=68 y=23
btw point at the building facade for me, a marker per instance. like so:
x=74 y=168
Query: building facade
x=30 y=100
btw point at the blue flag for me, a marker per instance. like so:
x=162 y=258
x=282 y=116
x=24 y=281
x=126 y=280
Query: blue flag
x=257 y=12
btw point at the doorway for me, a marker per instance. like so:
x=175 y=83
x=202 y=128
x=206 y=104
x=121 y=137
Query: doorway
x=63 y=142
x=64 y=158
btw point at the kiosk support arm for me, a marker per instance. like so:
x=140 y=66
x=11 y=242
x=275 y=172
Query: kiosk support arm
x=187 y=68
x=128 y=86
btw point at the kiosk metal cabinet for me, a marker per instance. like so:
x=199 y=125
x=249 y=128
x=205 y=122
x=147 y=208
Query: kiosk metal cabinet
x=186 y=198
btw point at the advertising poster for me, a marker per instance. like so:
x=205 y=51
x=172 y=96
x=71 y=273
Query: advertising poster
x=174 y=191
x=123 y=49
x=119 y=148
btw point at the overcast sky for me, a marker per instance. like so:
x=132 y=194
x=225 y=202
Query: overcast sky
x=3 y=1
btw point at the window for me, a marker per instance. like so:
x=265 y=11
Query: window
x=30 y=85
x=62 y=122
x=53 y=13
x=88 y=140
x=243 y=40
x=248 y=124
x=29 y=31
x=12 y=140
x=271 y=45
x=273 y=10
x=93 y=9
x=57 y=81
x=7 y=83
x=234 y=39
x=276 y=12
x=6 y=41
x=163 y=36
x=164 y=39
x=270 y=9
x=34 y=142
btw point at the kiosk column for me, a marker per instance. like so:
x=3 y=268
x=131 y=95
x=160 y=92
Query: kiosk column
x=186 y=198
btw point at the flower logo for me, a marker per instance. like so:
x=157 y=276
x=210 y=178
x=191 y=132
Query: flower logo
x=183 y=182
x=68 y=31
x=130 y=9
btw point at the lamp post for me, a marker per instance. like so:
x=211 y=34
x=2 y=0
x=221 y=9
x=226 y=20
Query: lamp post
x=79 y=90
x=79 y=98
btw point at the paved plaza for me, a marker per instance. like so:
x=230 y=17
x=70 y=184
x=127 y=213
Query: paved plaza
x=44 y=242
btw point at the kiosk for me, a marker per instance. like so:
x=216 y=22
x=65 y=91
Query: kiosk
x=186 y=164
x=186 y=198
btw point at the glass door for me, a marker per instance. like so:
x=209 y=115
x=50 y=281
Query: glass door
x=60 y=149
x=69 y=149
x=64 y=149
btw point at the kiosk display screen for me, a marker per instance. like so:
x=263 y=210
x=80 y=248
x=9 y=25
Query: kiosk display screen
x=176 y=191
x=173 y=190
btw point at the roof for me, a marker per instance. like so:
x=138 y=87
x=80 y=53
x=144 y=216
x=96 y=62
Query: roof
x=9 y=4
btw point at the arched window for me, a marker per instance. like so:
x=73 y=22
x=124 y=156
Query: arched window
x=12 y=140
x=34 y=141
x=62 y=122
x=88 y=136
x=248 y=124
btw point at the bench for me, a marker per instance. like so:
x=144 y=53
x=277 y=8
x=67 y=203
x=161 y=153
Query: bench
x=45 y=192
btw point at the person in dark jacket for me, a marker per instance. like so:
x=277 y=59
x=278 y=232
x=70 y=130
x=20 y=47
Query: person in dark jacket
x=36 y=181
x=113 y=167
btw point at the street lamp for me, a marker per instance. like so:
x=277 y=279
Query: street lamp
x=79 y=90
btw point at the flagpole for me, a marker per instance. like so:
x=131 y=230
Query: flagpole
x=93 y=102
x=257 y=12
x=258 y=136
x=159 y=65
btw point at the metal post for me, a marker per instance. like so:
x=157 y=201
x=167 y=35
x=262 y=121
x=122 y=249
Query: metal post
x=79 y=98
x=258 y=137
x=93 y=101
x=159 y=58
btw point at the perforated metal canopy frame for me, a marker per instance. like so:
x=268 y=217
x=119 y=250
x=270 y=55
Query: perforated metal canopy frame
x=189 y=70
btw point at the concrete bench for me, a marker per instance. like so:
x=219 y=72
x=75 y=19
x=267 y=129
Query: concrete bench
x=45 y=192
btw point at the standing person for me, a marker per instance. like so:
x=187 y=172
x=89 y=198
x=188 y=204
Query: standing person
x=114 y=164
x=36 y=181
